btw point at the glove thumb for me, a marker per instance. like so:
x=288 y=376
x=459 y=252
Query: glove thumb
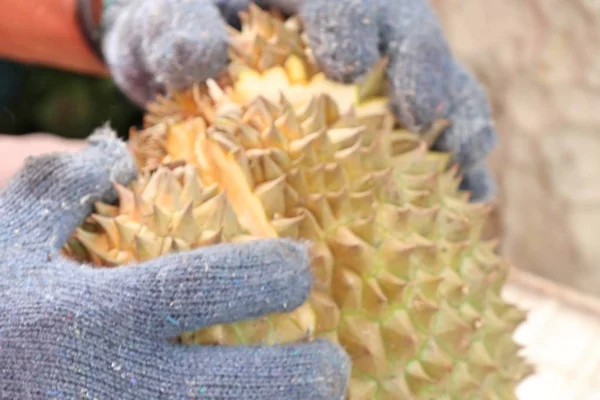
x=156 y=46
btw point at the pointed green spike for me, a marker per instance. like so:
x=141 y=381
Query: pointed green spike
x=373 y=83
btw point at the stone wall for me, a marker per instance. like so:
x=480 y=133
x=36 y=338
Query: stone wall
x=540 y=61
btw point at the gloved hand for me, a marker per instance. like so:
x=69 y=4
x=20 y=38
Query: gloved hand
x=152 y=43
x=69 y=331
x=428 y=83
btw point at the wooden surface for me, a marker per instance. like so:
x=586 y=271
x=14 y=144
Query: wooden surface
x=561 y=338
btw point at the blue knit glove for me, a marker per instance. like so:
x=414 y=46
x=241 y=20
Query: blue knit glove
x=428 y=82
x=69 y=331
x=152 y=44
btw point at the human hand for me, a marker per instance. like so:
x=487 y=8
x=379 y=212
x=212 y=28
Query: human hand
x=152 y=44
x=68 y=331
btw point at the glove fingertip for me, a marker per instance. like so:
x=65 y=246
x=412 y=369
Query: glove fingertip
x=106 y=138
x=286 y=268
x=178 y=62
x=114 y=152
x=480 y=182
x=335 y=368
x=191 y=50
x=344 y=37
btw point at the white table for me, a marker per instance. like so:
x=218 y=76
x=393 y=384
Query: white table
x=561 y=338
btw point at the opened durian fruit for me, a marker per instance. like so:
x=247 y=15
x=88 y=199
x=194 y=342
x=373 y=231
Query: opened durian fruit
x=403 y=279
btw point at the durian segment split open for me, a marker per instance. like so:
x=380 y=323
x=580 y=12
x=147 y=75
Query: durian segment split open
x=403 y=279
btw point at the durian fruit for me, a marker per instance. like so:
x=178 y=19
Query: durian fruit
x=403 y=280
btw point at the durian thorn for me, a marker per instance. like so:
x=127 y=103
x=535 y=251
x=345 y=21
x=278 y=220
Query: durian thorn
x=107 y=224
x=172 y=165
x=431 y=135
x=197 y=95
x=215 y=91
x=454 y=170
x=90 y=242
x=225 y=171
x=106 y=209
x=233 y=38
x=373 y=83
x=126 y=199
x=296 y=70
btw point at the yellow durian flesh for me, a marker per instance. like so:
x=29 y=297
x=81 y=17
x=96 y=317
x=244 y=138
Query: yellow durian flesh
x=403 y=279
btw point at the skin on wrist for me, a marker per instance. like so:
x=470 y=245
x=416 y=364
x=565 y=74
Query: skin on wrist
x=46 y=32
x=15 y=149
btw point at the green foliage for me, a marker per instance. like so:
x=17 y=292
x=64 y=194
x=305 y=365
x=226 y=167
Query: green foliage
x=63 y=103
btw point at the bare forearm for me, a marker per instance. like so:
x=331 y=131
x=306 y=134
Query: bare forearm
x=15 y=149
x=45 y=32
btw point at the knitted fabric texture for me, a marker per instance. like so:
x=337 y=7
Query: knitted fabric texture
x=151 y=45
x=71 y=331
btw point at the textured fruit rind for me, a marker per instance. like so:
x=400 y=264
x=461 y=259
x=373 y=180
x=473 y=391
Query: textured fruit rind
x=402 y=279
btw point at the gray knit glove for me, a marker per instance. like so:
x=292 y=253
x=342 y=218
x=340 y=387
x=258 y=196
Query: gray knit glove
x=428 y=83
x=150 y=44
x=73 y=332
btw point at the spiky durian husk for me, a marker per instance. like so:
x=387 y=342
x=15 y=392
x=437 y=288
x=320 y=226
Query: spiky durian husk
x=403 y=280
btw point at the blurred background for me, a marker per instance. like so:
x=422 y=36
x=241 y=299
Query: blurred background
x=540 y=62
x=38 y=99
